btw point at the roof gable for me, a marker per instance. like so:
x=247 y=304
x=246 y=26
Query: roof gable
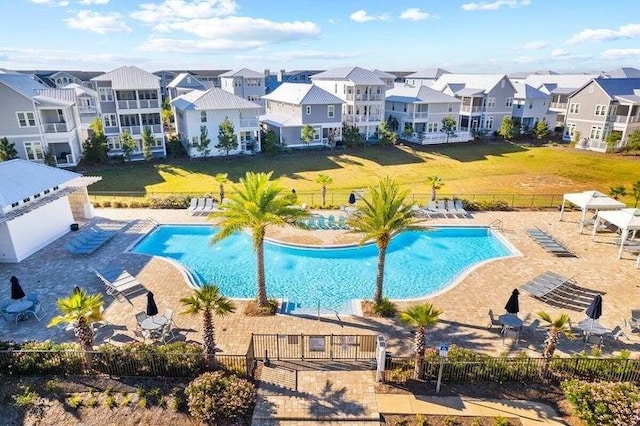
x=355 y=75
x=22 y=83
x=302 y=94
x=244 y=73
x=212 y=99
x=186 y=80
x=130 y=78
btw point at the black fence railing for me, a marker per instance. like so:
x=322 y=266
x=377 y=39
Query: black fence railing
x=356 y=347
x=148 y=364
x=517 y=370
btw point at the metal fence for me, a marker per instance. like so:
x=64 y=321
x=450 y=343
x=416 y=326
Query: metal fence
x=517 y=370
x=283 y=347
x=120 y=364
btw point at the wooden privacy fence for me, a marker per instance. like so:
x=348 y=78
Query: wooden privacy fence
x=283 y=347
x=517 y=370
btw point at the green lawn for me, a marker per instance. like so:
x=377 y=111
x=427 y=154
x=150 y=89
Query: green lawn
x=474 y=168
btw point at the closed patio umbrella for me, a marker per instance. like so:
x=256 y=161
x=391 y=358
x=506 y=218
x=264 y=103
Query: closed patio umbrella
x=513 y=306
x=152 y=308
x=594 y=311
x=16 y=290
x=352 y=198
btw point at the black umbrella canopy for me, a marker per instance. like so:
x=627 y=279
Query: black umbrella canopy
x=594 y=311
x=152 y=308
x=16 y=291
x=513 y=306
x=352 y=198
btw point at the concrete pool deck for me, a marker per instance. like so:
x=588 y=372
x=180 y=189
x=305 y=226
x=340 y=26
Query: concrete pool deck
x=53 y=273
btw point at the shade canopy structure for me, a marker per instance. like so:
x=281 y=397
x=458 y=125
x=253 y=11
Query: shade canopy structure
x=513 y=306
x=594 y=311
x=627 y=221
x=590 y=200
x=16 y=289
x=152 y=308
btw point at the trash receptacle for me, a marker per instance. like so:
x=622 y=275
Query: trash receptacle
x=74 y=227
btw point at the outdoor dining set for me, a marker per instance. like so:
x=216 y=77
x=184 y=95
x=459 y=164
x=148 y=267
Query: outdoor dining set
x=21 y=306
x=151 y=325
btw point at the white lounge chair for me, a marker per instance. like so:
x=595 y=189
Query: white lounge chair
x=192 y=205
x=118 y=281
x=208 y=205
x=200 y=207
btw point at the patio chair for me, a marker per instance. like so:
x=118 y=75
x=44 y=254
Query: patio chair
x=342 y=222
x=143 y=334
x=493 y=320
x=141 y=316
x=441 y=208
x=118 y=281
x=531 y=328
x=6 y=315
x=616 y=333
x=312 y=224
x=331 y=222
x=460 y=209
x=322 y=224
x=192 y=205
x=167 y=333
x=208 y=205
x=593 y=339
x=200 y=207
x=168 y=314
x=37 y=311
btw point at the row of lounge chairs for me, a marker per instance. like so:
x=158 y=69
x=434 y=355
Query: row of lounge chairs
x=549 y=243
x=320 y=222
x=441 y=209
x=202 y=206
x=557 y=290
x=89 y=240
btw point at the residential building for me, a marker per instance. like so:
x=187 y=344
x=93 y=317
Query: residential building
x=273 y=80
x=59 y=79
x=182 y=84
x=210 y=108
x=209 y=78
x=486 y=99
x=388 y=78
x=246 y=83
x=38 y=204
x=419 y=111
x=39 y=120
x=130 y=101
x=531 y=105
x=603 y=106
x=88 y=104
x=425 y=77
x=401 y=76
x=294 y=105
x=362 y=92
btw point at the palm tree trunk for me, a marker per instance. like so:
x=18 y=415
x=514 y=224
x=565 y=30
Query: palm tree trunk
x=548 y=350
x=221 y=193
x=377 y=298
x=84 y=334
x=262 y=287
x=433 y=193
x=420 y=347
x=209 y=339
x=324 y=195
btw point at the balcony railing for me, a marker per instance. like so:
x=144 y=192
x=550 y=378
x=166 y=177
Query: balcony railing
x=558 y=105
x=133 y=130
x=361 y=118
x=364 y=97
x=471 y=108
x=141 y=104
x=130 y=104
x=87 y=109
x=148 y=103
x=419 y=115
x=623 y=119
x=440 y=137
x=54 y=127
x=248 y=122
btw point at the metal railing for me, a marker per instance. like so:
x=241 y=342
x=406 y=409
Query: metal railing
x=54 y=127
x=356 y=347
x=248 y=122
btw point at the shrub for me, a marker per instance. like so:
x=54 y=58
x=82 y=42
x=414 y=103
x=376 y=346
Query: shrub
x=134 y=204
x=216 y=397
x=26 y=398
x=96 y=204
x=495 y=205
x=106 y=203
x=602 y=403
x=119 y=204
x=170 y=202
x=75 y=401
x=385 y=308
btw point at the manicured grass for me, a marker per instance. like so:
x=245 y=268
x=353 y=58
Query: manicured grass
x=473 y=168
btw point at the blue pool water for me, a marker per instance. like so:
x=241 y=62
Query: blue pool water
x=418 y=263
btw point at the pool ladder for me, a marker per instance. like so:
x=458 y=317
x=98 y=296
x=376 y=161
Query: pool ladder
x=496 y=224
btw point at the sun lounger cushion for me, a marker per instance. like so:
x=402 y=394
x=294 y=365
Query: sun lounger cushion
x=117 y=280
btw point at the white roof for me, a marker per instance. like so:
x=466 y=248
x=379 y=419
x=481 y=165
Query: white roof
x=244 y=73
x=625 y=219
x=16 y=188
x=181 y=81
x=22 y=83
x=130 y=78
x=569 y=82
x=356 y=75
x=279 y=119
x=525 y=91
x=418 y=94
x=593 y=200
x=81 y=90
x=428 y=74
x=384 y=74
x=302 y=94
x=213 y=98
x=485 y=82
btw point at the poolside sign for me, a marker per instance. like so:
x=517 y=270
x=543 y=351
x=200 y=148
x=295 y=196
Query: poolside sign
x=444 y=350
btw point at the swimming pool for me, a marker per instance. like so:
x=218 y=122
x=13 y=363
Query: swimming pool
x=418 y=263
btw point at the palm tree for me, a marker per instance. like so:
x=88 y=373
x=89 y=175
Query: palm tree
x=324 y=180
x=421 y=317
x=80 y=309
x=387 y=213
x=256 y=204
x=635 y=192
x=557 y=327
x=221 y=178
x=209 y=301
x=617 y=191
x=435 y=182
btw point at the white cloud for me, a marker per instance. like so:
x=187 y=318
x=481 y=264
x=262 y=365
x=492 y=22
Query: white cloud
x=495 y=5
x=177 y=10
x=100 y=23
x=621 y=53
x=603 y=34
x=20 y=58
x=535 y=45
x=414 y=14
x=94 y=1
x=165 y=45
x=362 y=16
x=524 y=60
x=293 y=55
x=61 y=3
x=559 y=52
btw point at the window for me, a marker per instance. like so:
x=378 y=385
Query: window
x=26 y=119
x=596 y=132
x=491 y=102
x=15 y=204
x=432 y=127
x=488 y=124
x=203 y=116
x=33 y=149
x=508 y=102
x=502 y=84
x=601 y=110
x=308 y=109
x=574 y=108
x=26 y=200
x=530 y=105
x=449 y=108
x=331 y=111
x=109 y=120
x=113 y=142
x=106 y=94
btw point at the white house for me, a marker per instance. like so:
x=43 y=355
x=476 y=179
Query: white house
x=38 y=210
x=209 y=108
x=531 y=105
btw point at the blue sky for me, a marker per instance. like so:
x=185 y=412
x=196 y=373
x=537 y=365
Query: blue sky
x=460 y=36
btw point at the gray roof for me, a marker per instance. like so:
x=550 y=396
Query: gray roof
x=80 y=75
x=213 y=98
x=484 y=82
x=566 y=81
x=81 y=90
x=181 y=81
x=16 y=188
x=130 y=78
x=244 y=73
x=429 y=74
x=22 y=83
x=384 y=74
x=302 y=94
x=356 y=75
x=417 y=94
x=524 y=91
x=280 y=119
x=618 y=86
x=624 y=72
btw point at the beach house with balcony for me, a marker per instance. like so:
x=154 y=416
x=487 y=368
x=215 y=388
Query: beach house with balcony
x=245 y=83
x=183 y=84
x=39 y=120
x=209 y=109
x=88 y=103
x=425 y=77
x=362 y=92
x=419 y=111
x=130 y=101
x=603 y=106
x=292 y=106
x=485 y=99
x=531 y=105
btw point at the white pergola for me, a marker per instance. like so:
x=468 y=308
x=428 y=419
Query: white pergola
x=590 y=200
x=627 y=220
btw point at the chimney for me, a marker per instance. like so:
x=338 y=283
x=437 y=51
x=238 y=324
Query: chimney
x=281 y=75
x=267 y=72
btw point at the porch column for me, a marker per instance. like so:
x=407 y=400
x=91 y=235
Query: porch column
x=562 y=208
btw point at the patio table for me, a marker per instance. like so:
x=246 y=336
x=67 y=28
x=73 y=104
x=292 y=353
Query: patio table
x=153 y=323
x=510 y=320
x=18 y=308
x=592 y=327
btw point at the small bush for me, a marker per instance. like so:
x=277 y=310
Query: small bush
x=170 y=202
x=26 y=398
x=110 y=402
x=91 y=401
x=142 y=402
x=215 y=397
x=106 y=203
x=385 y=308
x=495 y=205
x=75 y=401
x=134 y=205
x=602 y=403
x=119 y=204
x=96 y=204
x=501 y=421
